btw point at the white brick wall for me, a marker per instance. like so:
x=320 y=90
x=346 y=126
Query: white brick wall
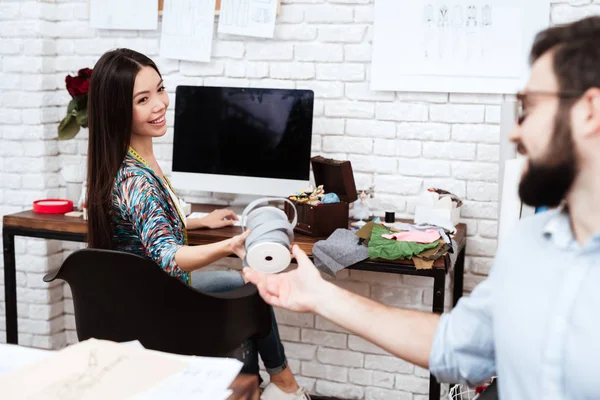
x=401 y=142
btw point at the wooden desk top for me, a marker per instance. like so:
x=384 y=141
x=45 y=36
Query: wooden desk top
x=60 y=223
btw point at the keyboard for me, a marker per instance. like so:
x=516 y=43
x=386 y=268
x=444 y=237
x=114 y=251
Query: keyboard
x=204 y=214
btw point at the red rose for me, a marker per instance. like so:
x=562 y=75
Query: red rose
x=78 y=85
x=85 y=73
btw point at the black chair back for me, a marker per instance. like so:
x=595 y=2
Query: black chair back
x=120 y=297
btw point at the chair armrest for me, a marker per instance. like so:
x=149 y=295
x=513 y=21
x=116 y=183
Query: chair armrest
x=51 y=276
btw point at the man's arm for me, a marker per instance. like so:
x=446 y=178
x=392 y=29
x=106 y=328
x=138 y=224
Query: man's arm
x=404 y=333
x=456 y=347
x=407 y=334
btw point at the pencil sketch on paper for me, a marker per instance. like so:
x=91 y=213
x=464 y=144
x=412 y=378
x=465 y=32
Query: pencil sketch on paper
x=237 y=14
x=248 y=17
x=429 y=31
x=261 y=15
x=462 y=33
x=461 y=46
x=187 y=30
x=76 y=386
x=486 y=26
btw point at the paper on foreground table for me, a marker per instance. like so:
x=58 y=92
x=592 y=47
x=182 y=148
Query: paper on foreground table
x=97 y=369
x=13 y=357
x=203 y=378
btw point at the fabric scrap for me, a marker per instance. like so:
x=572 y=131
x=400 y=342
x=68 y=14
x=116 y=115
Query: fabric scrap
x=423 y=264
x=428 y=236
x=402 y=226
x=340 y=250
x=380 y=247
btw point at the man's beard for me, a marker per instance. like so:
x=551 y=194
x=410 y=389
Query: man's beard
x=547 y=182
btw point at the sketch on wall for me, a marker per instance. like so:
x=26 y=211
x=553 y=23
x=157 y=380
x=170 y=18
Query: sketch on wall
x=454 y=45
x=465 y=39
x=254 y=18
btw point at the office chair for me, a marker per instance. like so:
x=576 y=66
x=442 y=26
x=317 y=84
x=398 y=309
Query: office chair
x=120 y=297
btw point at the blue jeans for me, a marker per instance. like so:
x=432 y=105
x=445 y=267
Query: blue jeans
x=270 y=347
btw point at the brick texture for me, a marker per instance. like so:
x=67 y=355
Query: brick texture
x=401 y=142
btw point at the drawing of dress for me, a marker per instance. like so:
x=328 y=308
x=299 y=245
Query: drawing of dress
x=237 y=13
x=486 y=35
x=260 y=15
x=429 y=32
x=78 y=385
x=472 y=37
x=443 y=26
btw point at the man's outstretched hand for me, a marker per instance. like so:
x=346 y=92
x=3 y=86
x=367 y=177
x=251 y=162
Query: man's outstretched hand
x=299 y=290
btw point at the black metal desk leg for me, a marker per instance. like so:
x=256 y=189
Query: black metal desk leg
x=439 y=292
x=459 y=275
x=10 y=286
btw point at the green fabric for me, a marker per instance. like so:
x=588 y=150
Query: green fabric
x=388 y=249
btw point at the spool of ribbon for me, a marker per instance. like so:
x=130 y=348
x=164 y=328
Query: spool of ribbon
x=268 y=245
x=52 y=206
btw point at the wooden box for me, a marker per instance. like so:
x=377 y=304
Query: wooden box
x=321 y=220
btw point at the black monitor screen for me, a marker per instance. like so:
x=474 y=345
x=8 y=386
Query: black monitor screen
x=263 y=133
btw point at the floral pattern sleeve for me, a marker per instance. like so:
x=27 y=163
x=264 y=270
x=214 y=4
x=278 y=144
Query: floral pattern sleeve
x=143 y=205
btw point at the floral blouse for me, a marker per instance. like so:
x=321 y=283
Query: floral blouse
x=145 y=219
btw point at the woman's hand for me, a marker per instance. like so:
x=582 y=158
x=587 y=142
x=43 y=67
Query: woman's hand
x=237 y=244
x=215 y=220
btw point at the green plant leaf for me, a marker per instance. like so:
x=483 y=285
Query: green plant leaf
x=71 y=106
x=81 y=117
x=68 y=128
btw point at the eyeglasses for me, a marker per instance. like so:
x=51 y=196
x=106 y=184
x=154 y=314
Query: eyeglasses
x=523 y=96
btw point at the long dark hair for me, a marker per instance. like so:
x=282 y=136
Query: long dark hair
x=110 y=113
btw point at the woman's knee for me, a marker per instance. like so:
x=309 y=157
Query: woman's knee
x=217 y=281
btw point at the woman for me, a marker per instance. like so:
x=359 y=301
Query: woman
x=131 y=204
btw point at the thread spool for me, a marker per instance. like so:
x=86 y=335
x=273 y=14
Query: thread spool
x=268 y=245
x=390 y=217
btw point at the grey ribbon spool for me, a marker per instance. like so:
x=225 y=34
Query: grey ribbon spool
x=268 y=245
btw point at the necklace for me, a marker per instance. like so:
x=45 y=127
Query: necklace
x=169 y=188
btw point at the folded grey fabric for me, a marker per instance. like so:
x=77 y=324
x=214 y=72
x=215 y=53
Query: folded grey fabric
x=339 y=251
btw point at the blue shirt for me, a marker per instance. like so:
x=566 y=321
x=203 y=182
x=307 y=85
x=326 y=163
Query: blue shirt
x=534 y=322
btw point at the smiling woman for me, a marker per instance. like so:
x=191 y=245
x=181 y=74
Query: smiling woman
x=132 y=206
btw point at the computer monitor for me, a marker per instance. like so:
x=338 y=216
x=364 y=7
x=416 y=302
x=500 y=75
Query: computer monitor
x=242 y=140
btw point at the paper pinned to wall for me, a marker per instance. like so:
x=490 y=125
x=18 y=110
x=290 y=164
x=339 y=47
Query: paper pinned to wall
x=187 y=30
x=124 y=14
x=458 y=46
x=254 y=18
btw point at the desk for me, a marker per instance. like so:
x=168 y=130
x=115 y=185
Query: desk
x=59 y=227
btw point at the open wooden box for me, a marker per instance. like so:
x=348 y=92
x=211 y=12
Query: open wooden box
x=321 y=220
